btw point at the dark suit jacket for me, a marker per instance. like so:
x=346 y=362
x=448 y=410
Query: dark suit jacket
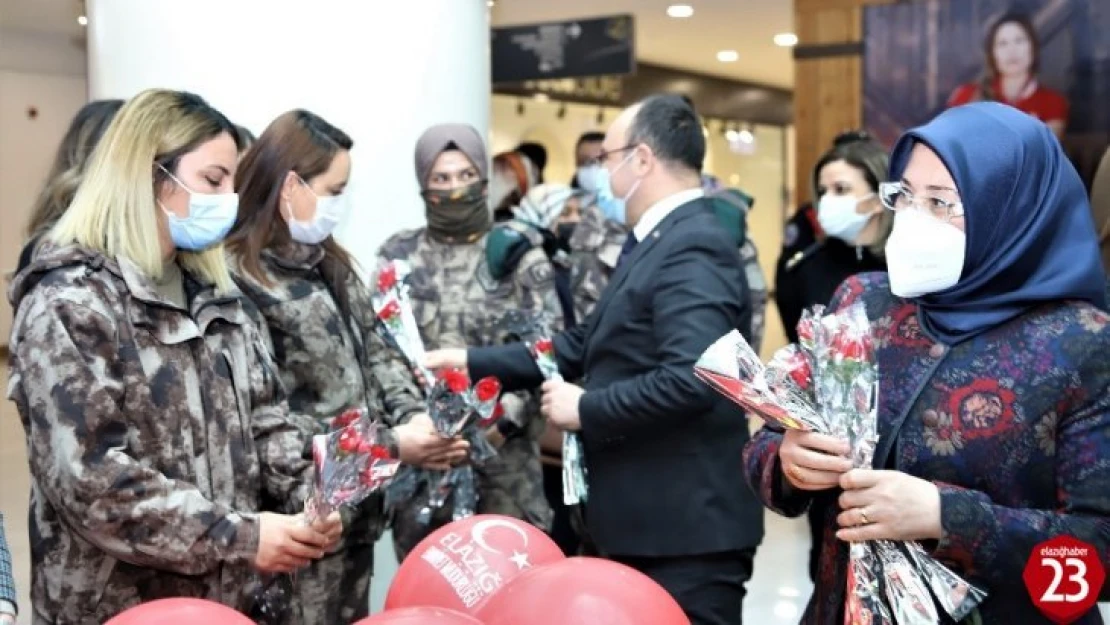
x=662 y=448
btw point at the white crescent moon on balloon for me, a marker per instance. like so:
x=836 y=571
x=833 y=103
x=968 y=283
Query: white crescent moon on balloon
x=478 y=533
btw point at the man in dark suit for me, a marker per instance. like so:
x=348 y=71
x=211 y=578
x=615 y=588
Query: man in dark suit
x=666 y=495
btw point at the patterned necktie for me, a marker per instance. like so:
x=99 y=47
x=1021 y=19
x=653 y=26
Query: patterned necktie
x=626 y=249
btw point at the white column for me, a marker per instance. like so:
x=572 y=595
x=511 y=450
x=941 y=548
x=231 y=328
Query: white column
x=381 y=71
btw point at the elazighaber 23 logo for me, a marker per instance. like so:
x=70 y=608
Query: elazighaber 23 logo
x=1064 y=577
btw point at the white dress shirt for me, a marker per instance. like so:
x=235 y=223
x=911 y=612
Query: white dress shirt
x=655 y=215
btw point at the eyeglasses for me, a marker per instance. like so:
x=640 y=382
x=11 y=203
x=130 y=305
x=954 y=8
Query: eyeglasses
x=605 y=154
x=895 y=197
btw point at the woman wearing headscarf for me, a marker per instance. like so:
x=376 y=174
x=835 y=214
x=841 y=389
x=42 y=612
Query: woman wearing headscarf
x=991 y=339
x=458 y=301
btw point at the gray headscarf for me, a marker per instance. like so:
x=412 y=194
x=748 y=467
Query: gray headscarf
x=439 y=138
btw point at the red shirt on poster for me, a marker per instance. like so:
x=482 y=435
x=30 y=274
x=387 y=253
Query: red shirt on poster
x=1040 y=102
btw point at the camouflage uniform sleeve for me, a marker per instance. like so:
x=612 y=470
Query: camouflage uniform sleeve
x=400 y=395
x=79 y=440
x=280 y=440
x=534 y=285
x=307 y=424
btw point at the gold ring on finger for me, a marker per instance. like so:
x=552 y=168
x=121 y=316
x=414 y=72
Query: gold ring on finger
x=863 y=517
x=796 y=473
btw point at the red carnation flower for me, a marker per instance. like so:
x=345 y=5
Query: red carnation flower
x=487 y=389
x=387 y=279
x=800 y=371
x=390 y=310
x=346 y=418
x=350 y=441
x=456 y=380
x=545 y=347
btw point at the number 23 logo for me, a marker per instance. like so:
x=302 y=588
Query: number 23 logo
x=1078 y=576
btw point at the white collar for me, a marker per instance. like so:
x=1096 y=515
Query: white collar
x=655 y=215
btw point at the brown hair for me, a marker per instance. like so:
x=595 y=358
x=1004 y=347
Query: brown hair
x=986 y=85
x=299 y=142
x=73 y=154
x=858 y=149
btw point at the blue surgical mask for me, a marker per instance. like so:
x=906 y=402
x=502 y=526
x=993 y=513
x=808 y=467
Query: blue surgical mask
x=613 y=207
x=211 y=216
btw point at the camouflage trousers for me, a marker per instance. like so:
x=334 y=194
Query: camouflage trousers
x=510 y=485
x=336 y=588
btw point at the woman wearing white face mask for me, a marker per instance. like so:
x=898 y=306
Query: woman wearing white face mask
x=843 y=234
x=321 y=324
x=991 y=339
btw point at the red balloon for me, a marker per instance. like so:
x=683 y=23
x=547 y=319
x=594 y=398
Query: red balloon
x=583 y=590
x=421 y=615
x=462 y=564
x=180 y=611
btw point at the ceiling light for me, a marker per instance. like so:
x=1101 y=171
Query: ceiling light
x=786 y=40
x=680 y=10
x=728 y=56
x=82 y=20
x=732 y=134
x=541 y=97
x=745 y=136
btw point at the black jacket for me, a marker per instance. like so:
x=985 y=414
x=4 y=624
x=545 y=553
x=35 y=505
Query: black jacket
x=811 y=266
x=663 y=450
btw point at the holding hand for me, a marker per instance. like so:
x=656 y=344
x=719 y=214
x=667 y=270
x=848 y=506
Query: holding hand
x=421 y=445
x=560 y=405
x=888 y=505
x=331 y=528
x=445 y=359
x=286 y=544
x=812 y=461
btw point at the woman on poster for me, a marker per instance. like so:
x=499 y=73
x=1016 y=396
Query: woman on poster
x=1012 y=55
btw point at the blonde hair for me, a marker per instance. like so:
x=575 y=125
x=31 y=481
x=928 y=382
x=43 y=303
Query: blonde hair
x=114 y=211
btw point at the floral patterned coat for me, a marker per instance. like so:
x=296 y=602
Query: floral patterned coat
x=1013 y=426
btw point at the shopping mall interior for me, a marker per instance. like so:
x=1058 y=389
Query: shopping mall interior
x=774 y=81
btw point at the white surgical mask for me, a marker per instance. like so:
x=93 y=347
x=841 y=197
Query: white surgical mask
x=923 y=254
x=838 y=217
x=330 y=210
x=211 y=216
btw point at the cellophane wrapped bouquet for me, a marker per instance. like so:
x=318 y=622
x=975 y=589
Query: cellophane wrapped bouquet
x=351 y=462
x=396 y=321
x=530 y=329
x=456 y=409
x=828 y=383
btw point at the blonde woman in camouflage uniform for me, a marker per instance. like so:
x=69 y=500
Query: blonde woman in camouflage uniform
x=322 y=327
x=458 y=300
x=155 y=421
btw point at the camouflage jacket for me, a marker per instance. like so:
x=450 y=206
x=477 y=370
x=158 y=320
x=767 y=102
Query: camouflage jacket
x=457 y=303
x=153 y=435
x=329 y=360
x=596 y=246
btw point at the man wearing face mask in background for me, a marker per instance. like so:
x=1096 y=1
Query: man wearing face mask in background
x=457 y=301
x=596 y=241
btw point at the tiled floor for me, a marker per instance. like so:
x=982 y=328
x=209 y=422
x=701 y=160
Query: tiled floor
x=776 y=594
